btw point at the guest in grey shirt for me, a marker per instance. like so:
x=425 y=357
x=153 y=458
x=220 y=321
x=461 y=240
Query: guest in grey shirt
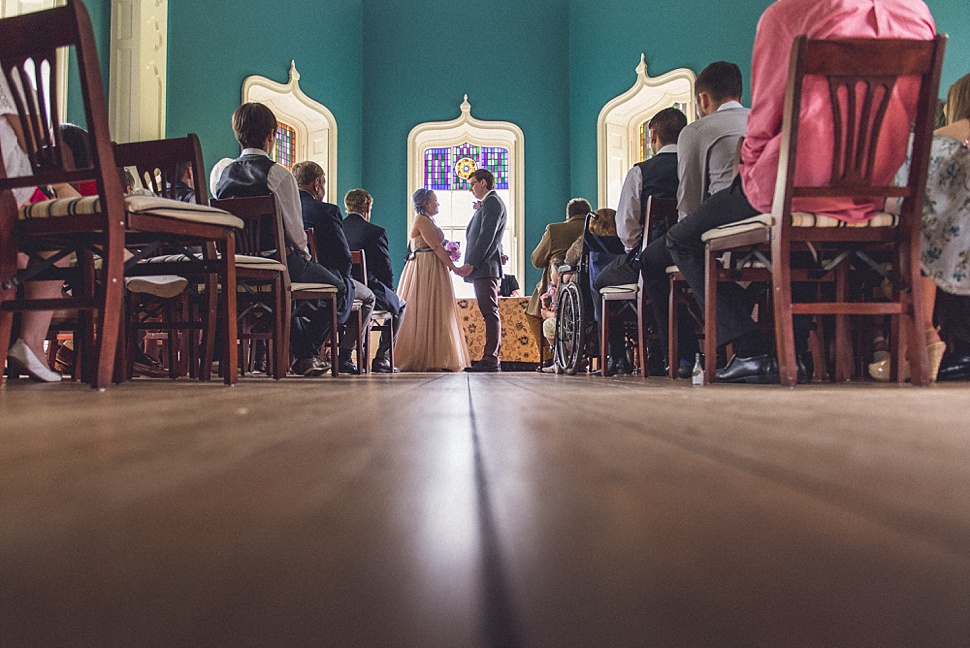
x=707 y=148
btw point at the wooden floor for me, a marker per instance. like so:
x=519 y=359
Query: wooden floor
x=511 y=510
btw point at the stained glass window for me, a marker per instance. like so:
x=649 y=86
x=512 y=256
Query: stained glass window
x=284 y=154
x=439 y=166
x=645 y=152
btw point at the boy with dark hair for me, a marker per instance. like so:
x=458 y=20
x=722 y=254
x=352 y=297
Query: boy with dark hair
x=254 y=173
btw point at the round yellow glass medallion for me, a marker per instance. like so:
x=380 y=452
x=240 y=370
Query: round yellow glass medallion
x=465 y=167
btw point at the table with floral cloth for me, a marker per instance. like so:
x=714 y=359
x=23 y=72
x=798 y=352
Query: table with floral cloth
x=517 y=342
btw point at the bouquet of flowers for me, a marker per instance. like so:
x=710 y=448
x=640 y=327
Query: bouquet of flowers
x=454 y=250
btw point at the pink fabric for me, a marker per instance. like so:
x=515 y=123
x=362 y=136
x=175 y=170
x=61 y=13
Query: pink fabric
x=820 y=19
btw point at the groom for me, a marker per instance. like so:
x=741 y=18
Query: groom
x=483 y=263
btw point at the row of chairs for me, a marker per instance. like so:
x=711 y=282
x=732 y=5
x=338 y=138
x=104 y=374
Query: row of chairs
x=863 y=77
x=220 y=249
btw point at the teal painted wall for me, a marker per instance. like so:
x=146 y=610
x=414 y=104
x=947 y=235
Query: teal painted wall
x=606 y=39
x=953 y=18
x=547 y=65
x=100 y=13
x=508 y=56
x=214 y=45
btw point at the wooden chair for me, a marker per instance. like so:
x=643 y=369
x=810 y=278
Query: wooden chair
x=632 y=295
x=875 y=66
x=657 y=208
x=308 y=296
x=28 y=43
x=381 y=320
x=157 y=165
x=101 y=225
x=262 y=281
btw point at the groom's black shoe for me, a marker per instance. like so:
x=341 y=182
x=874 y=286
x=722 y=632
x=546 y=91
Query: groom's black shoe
x=484 y=367
x=759 y=369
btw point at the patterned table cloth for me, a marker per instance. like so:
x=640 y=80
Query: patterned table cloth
x=517 y=342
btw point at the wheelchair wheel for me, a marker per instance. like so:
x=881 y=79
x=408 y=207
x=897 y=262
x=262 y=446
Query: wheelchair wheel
x=571 y=326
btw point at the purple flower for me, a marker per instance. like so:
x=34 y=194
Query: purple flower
x=454 y=250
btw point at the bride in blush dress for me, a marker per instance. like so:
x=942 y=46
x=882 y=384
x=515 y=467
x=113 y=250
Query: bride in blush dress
x=431 y=337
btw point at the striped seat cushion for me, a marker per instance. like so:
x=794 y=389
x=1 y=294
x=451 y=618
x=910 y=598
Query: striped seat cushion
x=799 y=219
x=242 y=261
x=150 y=205
x=320 y=288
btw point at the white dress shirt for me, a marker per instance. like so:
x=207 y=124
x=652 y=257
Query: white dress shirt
x=628 y=226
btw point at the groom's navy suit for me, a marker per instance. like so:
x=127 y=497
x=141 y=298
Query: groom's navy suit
x=484 y=253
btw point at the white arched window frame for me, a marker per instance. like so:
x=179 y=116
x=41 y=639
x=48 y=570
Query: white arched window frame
x=618 y=126
x=467 y=129
x=10 y=8
x=315 y=125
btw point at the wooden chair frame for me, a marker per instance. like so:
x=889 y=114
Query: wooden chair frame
x=876 y=65
x=157 y=163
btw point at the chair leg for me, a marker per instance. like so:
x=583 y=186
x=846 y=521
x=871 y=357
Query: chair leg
x=642 y=304
x=391 y=322
x=673 y=340
x=604 y=335
x=843 y=346
x=334 y=352
x=710 y=316
x=784 y=325
x=227 y=275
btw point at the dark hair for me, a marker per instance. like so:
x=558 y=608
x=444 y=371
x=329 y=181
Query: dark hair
x=252 y=123
x=578 y=207
x=420 y=200
x=484 y=174
x=667 y=124
x=78 y=140
x=721 y=80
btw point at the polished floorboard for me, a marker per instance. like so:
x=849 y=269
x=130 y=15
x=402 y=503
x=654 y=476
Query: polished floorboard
x=499 y=510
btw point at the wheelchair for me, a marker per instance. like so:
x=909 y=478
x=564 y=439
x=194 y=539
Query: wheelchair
x=575 y=325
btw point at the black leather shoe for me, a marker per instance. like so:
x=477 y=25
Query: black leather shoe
x=382 y=366
x=954 y=367
x=484 y=367
x=347 y=367
x=759 y=369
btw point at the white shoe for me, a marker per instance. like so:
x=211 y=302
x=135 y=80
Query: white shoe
x=163 y=286
x=22 y=358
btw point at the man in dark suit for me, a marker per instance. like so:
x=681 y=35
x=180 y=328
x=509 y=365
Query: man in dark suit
x=333 y=252
x=483 y=263
x=654 y=177
x=372 y=239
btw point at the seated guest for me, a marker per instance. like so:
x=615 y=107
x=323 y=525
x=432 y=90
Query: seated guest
x=945 y=240
x=372 y=239
x=333 y=252
x=555 y=241
x=510 y=285
x=254 y=173
x=549 y=302
x=752 y=192
x=654 y=177
x=706 y=163
x=184 y=191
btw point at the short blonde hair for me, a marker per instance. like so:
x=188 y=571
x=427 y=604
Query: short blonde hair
x=306 y=172
x=357 y=200
x=958 y=100
x=605 y=225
